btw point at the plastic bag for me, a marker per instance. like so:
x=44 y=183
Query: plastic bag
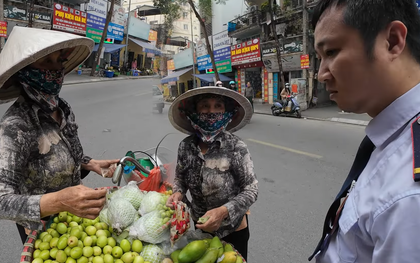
x=151 y=201
x=180 y=222
x=153 y=182
x=190 y=235
x=121 y=214
x=150 y=228
x=131 y=193
x=152 y=253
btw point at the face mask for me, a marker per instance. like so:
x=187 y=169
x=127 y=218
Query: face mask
x=209 y=125
x=42 y=86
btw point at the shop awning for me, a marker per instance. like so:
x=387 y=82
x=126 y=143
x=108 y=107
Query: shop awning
x=109 y=48
x=209 y=77
x=148 y=48
x=147 y=10
x=174 y=76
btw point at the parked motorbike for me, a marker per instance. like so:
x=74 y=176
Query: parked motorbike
x=292 y=108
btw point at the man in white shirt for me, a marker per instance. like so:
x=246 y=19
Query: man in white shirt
x=370 y=63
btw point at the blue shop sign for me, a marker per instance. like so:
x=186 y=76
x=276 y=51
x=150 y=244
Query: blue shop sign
x=95 y=22
x=222 y=54
x=115 y=31
x=204 y=62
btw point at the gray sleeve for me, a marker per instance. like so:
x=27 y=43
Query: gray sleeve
x=14 y=152
x=179 y=181
x=244 y=172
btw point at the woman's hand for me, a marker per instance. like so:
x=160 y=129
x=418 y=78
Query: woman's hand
x=174 y=198
x=216 y=217
x=97 y=166
x=79 y=200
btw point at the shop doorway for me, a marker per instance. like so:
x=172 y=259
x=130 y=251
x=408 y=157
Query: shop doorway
x=253 y=75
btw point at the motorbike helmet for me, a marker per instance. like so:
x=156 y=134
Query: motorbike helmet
x=219 y=83
x=232 y=82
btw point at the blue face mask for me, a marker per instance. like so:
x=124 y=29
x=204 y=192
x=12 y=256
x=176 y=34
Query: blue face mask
x=43 y=80
x=209 y=125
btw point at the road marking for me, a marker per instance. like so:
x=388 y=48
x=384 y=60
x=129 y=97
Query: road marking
x=141 y=94
x=287 y=149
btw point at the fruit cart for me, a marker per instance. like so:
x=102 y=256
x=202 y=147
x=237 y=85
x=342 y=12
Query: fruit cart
x=47 y=245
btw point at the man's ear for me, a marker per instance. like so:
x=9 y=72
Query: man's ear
x=396 y=34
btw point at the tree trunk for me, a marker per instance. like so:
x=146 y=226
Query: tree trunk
x=278 y=45
x=101 y=44
x=209 y=51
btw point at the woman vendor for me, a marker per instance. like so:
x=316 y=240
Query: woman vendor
x=41 y=158
x=213 y=164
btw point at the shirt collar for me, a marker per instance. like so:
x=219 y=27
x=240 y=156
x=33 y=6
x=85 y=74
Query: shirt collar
x=394 y=117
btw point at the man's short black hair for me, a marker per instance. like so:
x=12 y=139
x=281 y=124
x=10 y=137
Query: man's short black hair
x=370 y=17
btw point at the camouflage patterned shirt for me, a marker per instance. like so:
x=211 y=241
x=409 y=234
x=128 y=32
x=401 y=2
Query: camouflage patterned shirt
x=224 y=176
x=37 y=156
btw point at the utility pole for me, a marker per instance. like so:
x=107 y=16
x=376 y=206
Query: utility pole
x=1 y=19
x=305 y=46
x=126 y=37
x=30 y=13
x=192 y=50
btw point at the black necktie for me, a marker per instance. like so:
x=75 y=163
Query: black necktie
x=362 y=157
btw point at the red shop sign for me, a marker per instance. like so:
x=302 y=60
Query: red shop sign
x=69 y=19
x=246 y=52
x=3 y=29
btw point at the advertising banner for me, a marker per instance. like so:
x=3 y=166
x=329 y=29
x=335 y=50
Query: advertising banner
x=204 y=62
x=152 y=35
x=115 y=31
x=3 y=29
x=69 y=19
x=17 y=13
x=246 y=52
x=304 y=61
x=222 y=60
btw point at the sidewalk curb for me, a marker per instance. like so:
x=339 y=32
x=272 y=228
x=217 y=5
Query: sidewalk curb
x=339 y=120
x=107 y=79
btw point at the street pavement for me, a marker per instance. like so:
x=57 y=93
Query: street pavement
x=300 y=163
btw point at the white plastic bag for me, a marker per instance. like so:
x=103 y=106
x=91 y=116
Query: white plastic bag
x=131 y=193
x=150 y=228
x=151 y=201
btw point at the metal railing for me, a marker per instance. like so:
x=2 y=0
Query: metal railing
x=245 y=21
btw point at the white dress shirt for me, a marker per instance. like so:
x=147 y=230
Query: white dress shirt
x=380 y=221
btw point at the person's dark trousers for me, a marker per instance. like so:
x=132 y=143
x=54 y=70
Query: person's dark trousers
x=239 y=240
x=23 y=235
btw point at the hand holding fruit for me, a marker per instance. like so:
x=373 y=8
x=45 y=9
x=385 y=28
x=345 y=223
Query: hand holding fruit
x=174 y=198
x=97 y=165
x=79 y=200
x=215 y=218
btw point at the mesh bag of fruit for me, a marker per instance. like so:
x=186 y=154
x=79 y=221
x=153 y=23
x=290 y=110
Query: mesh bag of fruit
x=152 y=253
x=151 y=202
x=152 y=228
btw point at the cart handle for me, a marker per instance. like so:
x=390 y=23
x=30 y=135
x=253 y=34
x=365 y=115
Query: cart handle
x=116 y=178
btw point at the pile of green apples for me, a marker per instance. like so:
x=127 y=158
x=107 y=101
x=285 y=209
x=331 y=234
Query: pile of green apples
x=71 y=239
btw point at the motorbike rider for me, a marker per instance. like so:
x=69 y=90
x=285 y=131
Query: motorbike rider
x=285 y=95
x=219 y=84
x=232 y=85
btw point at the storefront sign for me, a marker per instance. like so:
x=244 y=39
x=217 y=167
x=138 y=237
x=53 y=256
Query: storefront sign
x=97 y=8
x=265 y=85
x=3 y=29
x=118 y=16
x=14 y=12
x=115 y=31
x=275 y=85
x=170 y=64
x=289 y=63
x=204 y=62
x=246 y=52
x=95 y=22
x=201 y=48
x=94 y=34
x=222 y=60
x=138 y=28
x=304 y=61
x=183 y=59
x=152 y=35
x=69 y=19
x=221 y=40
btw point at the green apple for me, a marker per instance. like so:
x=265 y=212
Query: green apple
x=97 y=251
x=67 y=250
x=118 y=261
x=125 y=245
x=73 y=224
x=87 y=252
x=90 y=230
x=104 y=226
x=75 y=231
x=83 y=260
x=47 y=238
x=69 y=219
x=88 y=241
x=42 y=235
x=84 y=235
x=108 y=258
x=98 y=226
x=54 y=233
x=73 y=241
x=87 y=222
x=98 y=260
x=100 y=232
x=53 y=225
x=80 y=244
x=138 y=259
x=37 y=243
x=135 y=254
x=137 y=246
x=44 y=246
x=77 y=219
x=44 y=255
x=56 y=220
x=102 y=241
x=53 y=252
x=48 y=261
x=38 y=260
x=94 y=240
x=62 y=216
x=62 y=242
x=117 y=252
x=61 y=228
x=107 y=250
x=61 y=256
x=108 y=234
x=112 y=242
x=127 y=257
x=71 y=260
x=76 y=252
x=37 y=253
x=54 y=242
